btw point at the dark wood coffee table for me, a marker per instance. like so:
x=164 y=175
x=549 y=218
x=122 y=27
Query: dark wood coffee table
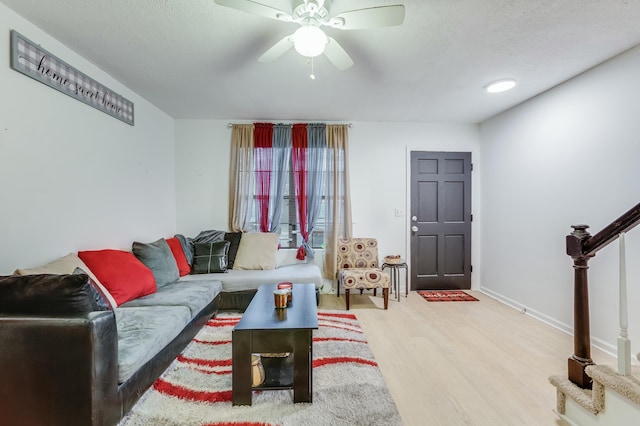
x=264 y=329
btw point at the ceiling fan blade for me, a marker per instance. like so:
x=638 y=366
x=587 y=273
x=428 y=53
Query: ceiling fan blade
x=337 y=55
x=374 y=17
x=277 y=50
x=256 y=9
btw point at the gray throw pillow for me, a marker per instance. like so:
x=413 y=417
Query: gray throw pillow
x=210 y=257
x=157 y=256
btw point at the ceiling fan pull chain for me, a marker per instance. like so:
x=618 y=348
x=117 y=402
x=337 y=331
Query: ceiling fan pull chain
x=313 y=75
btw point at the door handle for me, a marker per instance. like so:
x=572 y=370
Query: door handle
x=414 y=228
x=414 y=218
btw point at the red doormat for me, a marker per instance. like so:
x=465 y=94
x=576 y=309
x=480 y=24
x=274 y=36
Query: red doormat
x=446 y=296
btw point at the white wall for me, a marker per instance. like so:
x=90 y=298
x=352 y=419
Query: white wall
x=569 y=156
x=72 y=177
x=378 y=154
x=202 y=175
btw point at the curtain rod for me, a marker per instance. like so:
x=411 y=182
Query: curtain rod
x=291 y=124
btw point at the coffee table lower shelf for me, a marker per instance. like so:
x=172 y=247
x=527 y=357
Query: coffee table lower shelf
x=262 y=331
x=278 y=372
x=298 y=342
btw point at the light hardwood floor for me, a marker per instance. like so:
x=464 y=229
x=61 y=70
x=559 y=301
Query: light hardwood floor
x=464 y=363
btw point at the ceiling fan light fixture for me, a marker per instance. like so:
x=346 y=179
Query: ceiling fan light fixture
x=500 y=85
x=309 y=41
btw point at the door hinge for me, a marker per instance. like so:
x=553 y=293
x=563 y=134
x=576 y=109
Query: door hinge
x=471 y=166
x=471 y=218
x=471 y=268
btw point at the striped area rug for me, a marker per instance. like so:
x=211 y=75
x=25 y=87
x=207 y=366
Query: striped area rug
x=348 y=388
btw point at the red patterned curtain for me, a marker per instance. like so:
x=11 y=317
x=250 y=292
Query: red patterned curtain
x=263 y=142
x=299 y=159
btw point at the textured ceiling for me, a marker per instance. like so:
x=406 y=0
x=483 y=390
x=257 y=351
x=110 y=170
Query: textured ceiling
x=196 y=59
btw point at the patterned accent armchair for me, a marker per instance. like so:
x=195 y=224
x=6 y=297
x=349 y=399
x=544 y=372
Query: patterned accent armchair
x=358 y=268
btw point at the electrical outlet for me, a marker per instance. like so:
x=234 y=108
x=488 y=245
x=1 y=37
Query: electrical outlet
x=399 y=212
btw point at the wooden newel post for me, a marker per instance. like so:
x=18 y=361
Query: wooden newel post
x=581 y=357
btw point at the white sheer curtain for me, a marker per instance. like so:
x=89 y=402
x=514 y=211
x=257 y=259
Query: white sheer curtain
x=338 y=198
x=281 y=158
x=310 y=172
x=241 y=179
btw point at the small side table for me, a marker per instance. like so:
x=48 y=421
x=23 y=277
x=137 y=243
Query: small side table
x=395 y=277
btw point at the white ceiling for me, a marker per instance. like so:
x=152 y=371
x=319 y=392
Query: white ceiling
x=196 y=59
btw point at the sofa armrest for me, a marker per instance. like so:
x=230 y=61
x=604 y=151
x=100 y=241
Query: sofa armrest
x=59 y=370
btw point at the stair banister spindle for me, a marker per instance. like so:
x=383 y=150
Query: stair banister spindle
x=624 y=344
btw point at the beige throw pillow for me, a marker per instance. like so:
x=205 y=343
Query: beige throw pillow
x=63 y=266
x=257 y=251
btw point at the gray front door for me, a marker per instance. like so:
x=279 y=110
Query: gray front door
x=440 y=220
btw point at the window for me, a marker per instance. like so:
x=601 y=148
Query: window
x=289 y=229
x=319 y=151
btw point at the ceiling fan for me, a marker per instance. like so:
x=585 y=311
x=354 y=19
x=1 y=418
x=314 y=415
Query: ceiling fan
x=309 y=40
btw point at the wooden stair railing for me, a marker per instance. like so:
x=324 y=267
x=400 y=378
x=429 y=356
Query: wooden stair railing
x=582 y=246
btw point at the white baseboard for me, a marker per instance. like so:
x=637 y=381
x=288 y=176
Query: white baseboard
x=565 y=419
x=566 y=328
x=327 y=287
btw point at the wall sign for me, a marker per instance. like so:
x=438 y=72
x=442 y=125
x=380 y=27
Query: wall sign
x=30 y=59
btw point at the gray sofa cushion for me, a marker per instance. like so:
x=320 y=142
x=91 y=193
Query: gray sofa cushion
x=157 y=256
x=194 y=295
x=240 y=280
x=145 y=331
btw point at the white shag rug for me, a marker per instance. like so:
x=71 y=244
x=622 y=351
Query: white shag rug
x=348 y=388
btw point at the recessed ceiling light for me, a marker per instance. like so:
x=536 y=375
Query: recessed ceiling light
x=501 y=85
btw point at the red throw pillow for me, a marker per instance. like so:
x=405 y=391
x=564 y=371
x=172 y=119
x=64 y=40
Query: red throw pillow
x=121 y=273
x=178 y=254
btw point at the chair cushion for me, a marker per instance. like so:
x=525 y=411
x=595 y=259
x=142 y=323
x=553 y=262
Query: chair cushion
x=358 y=253
x=363 y=278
